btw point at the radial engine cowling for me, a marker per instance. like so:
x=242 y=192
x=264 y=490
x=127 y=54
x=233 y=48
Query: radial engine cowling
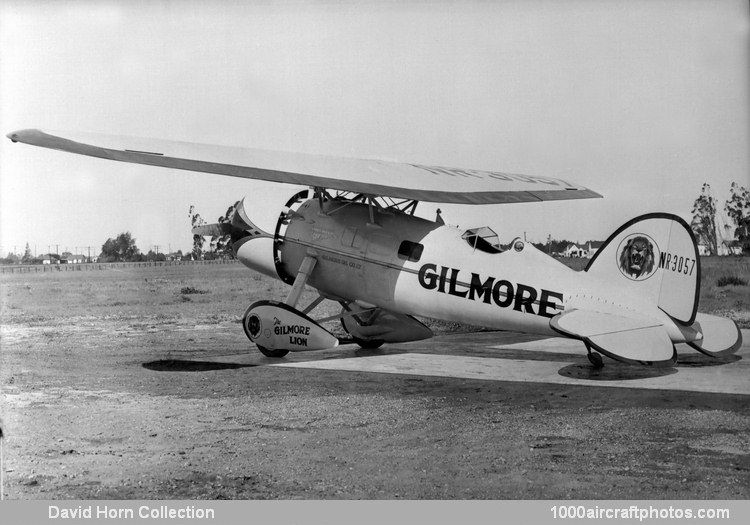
x=254 y=241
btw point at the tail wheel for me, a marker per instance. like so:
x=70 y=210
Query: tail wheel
x=251 y=325
x=594 y=358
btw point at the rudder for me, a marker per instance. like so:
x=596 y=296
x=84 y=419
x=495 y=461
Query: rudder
x=654 y=256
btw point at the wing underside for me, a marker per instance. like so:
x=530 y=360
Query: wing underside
x=369 y=177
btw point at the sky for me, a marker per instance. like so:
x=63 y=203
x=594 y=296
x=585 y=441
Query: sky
x=641 y=101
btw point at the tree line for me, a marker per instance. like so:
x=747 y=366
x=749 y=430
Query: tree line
x=122 y=248
x=706 y=229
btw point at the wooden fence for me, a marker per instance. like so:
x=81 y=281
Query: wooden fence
x=81 y=267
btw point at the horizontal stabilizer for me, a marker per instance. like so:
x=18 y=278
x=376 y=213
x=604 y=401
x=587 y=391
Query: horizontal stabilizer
x=623 y=338
x=371 y=177
x=720 y=335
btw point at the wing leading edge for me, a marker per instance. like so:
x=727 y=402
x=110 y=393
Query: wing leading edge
x=371 y=177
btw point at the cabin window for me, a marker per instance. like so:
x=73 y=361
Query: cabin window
x=411 y=251
x=483 y=239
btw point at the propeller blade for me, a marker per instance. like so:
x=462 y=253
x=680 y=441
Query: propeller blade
x=212 y=230
x=240 y=220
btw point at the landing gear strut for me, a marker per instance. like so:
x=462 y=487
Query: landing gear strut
x=251 y=321
x=594 y=358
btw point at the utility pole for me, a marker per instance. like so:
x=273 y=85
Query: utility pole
x=89 y=259
x=57 y=249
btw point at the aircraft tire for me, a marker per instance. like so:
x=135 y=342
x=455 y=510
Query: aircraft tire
x=272 y=353
x=368 y=344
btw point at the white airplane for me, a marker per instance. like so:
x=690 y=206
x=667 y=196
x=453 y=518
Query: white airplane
x=353 y=236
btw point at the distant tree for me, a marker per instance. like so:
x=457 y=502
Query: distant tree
x=738 y=209
x=196 y=220
x=222 y=245
x=704 y=219
x=121 y=248
x=152 y=256
x=12 y=258
x=27 y=257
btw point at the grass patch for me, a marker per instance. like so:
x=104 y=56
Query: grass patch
x=188 y=290
x=730 y=280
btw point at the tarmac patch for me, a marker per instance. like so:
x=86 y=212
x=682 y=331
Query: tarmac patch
x=697 y=375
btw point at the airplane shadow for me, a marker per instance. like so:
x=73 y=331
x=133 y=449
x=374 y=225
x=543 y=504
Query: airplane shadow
x=702 y=360
x=194 y=365
x=613 y=371
x=184 y=365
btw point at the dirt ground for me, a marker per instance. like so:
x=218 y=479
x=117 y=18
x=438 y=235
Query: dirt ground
x=111 y=390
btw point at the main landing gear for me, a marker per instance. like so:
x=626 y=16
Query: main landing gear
x=594 y=358
x=281 y=325
x=251 y=325
x=357 y=323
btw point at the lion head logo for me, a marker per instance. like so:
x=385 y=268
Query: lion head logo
x=637 y=256
x=253 y=325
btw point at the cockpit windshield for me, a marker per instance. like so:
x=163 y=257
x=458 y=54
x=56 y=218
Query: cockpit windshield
x=484 y=239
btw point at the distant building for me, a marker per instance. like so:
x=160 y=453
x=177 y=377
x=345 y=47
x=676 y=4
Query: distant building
x=724 y=248
x=574 y=250
x=582 y=250
x=730 y=248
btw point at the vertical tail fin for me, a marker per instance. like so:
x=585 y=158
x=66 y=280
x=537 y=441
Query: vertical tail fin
x=655 y=256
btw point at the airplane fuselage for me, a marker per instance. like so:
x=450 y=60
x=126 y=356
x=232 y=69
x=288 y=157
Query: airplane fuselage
x=410 y=265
